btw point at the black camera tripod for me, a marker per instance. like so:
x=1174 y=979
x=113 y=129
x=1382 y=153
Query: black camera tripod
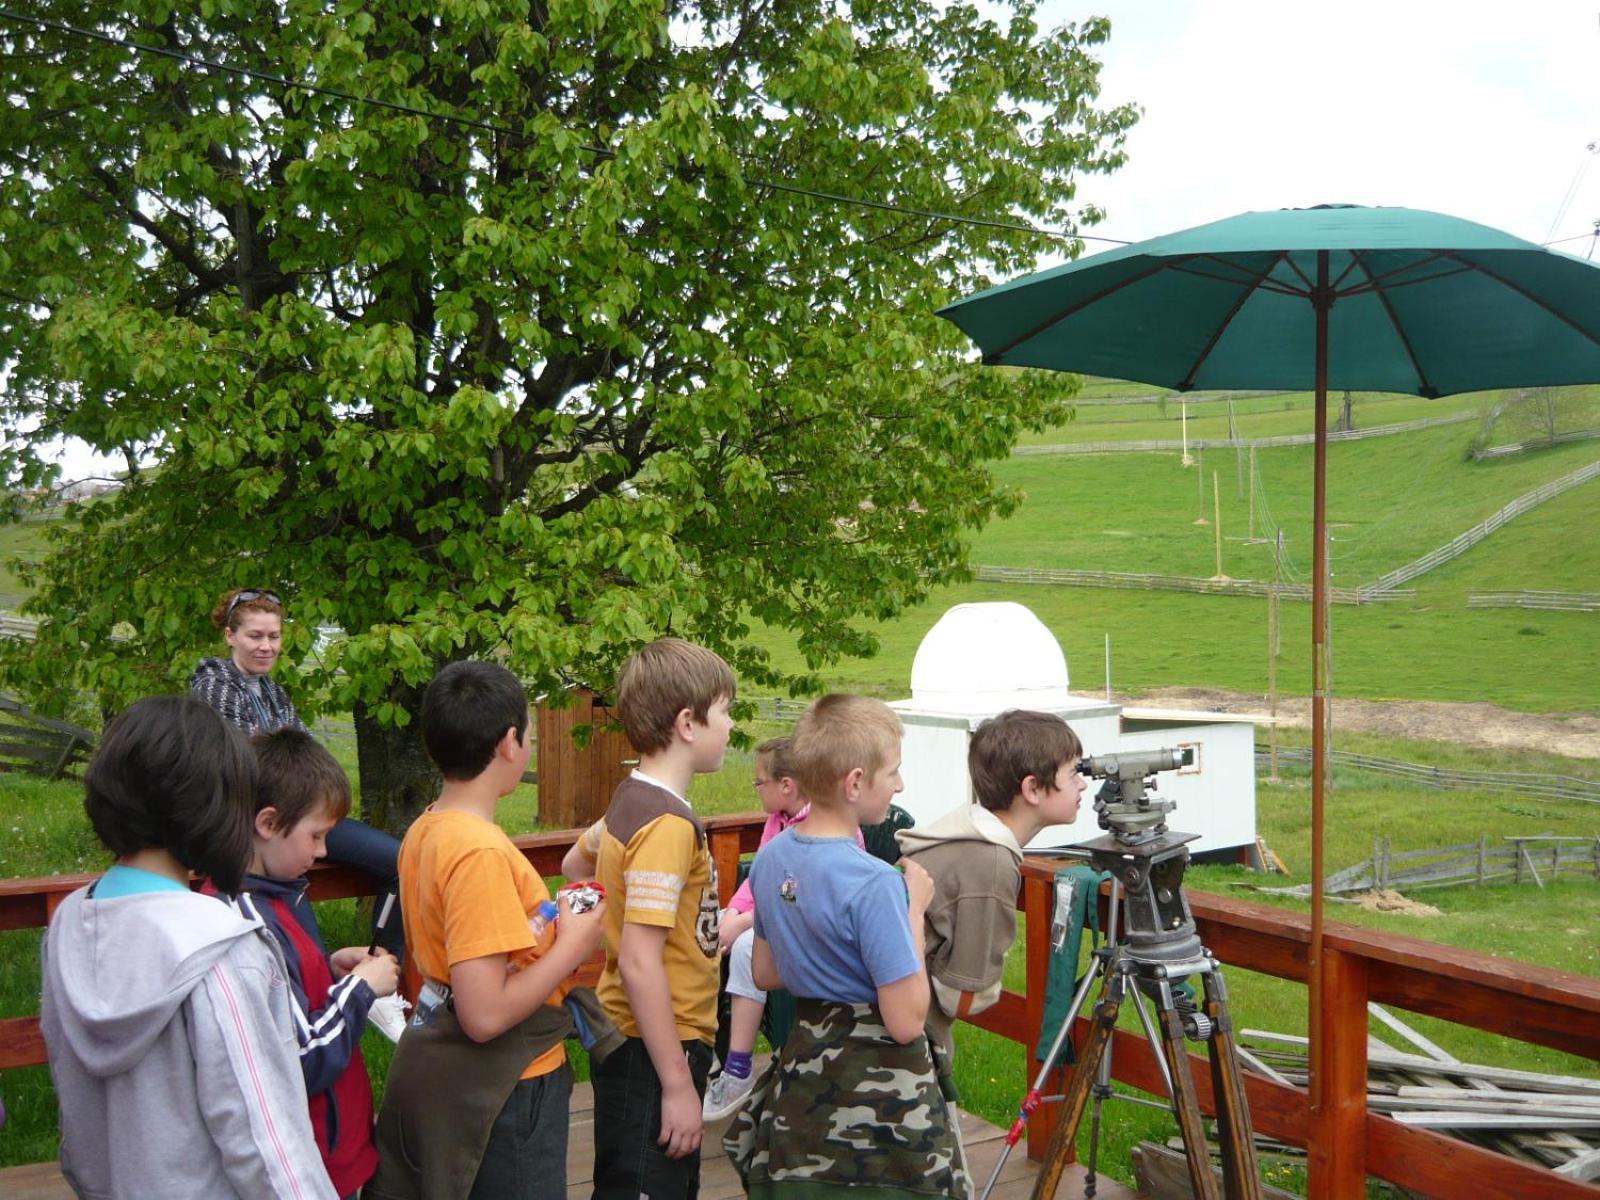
x=1160 y=949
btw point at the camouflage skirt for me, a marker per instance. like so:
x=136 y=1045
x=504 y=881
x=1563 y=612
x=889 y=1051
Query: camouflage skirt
x=845 y=1109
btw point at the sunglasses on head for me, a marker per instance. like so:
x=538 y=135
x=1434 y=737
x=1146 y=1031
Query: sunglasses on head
x=245 y=595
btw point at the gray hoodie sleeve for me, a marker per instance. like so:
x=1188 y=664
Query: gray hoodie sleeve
x=248 y=1081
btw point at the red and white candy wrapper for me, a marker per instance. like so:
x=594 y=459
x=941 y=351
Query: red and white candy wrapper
x=583 y=895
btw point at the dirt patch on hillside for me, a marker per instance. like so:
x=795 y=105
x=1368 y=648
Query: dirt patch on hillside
x=1387 y=900
x=1575 y=736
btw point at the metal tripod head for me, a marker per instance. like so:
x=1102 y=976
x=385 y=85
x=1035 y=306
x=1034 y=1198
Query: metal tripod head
x=1158 y=926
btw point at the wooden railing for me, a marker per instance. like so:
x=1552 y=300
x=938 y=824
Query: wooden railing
x=1345 y=1141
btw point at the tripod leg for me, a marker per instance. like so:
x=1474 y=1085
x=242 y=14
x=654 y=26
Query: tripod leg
x=1241 y=1176
x=1084 y=1074
x=1184 y=1100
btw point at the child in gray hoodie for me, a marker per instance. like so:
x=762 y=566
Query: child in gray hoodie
x=166 y=1013
x=1024 y=768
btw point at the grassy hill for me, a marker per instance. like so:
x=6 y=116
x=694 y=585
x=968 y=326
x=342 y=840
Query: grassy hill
x=1392 y=499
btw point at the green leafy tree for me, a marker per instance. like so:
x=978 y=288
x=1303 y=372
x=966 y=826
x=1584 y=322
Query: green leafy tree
x=521 y=334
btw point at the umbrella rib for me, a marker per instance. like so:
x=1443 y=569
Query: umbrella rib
x=1376 y=284
x=1390 y=280
x=1251 y=281
x=1304 y=278
x=1528 y=296
x=1424 y=386
x=993 y=357
x=1244 y=295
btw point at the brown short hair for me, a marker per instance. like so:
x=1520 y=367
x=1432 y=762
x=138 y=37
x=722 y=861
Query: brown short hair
x=236 y=603
x=297 y=777
x=1006 y=749
x=837 y=734
x=660 y=681
x=778 y=754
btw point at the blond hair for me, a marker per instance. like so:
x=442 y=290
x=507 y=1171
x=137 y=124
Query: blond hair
x=776 y=756
x=837 y=734
x=660 y=681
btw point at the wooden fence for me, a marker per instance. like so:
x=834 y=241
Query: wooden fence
x=1346 y=1141
x=1533 y=859
x=1147 y=445
x=1551 y=601
x=1520 y=785
x=1177 y=583
x=1578 y=435
x=1463 y=542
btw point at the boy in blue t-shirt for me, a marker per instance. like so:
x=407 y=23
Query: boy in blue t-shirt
x=843 y=932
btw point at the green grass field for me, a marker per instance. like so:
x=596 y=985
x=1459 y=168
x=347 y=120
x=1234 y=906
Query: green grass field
x=1392 y=500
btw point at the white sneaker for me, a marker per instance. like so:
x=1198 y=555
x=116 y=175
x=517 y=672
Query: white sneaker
x=725 y=1094
x=388 y=1015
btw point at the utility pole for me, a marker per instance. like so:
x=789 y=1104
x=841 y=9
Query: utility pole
x=1216 y=499
x=1272 y=660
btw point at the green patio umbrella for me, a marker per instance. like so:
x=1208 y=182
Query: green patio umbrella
x=1371 y=299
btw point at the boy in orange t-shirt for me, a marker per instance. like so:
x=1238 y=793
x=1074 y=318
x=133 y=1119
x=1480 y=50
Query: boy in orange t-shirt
x=463 y=1090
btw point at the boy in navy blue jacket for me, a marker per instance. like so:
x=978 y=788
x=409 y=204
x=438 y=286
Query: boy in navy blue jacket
x=302 y=793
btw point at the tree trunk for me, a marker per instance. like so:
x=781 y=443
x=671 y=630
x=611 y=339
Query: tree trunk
x=398 y=780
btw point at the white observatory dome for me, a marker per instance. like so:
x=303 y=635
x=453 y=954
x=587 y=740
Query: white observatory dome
x=987 y=658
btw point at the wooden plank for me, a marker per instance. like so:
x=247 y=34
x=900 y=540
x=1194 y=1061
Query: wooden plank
x=1435 y=1164
x=21 y=1043
x=35 y=1181
x=1163 y=1174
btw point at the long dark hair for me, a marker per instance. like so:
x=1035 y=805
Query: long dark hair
x=172 y=775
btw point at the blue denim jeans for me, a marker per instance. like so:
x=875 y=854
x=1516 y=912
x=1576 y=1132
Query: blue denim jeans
x=628 y=1161
x=378 y=854
x=526 y=1158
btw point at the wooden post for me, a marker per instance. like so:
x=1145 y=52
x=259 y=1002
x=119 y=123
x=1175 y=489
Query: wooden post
x=725 y=855
x=1038 y=899
x=1337 y=1162
x=1216 y=501
x=1272 y=654
x=1250 y=533
x=1483 y=853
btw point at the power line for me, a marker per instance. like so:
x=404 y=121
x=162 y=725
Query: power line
x=456 y=118
x=1572 y=188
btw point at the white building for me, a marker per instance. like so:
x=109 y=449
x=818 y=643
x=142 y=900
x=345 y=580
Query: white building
x=981 y=659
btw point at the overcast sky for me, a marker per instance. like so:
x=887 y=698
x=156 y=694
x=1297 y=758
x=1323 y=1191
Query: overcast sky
x=1478 y=110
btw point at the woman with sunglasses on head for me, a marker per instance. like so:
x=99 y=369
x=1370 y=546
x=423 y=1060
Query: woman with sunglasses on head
x=240 y=686
x=241 y=689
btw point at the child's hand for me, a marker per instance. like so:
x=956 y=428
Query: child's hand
x=919 y=886
x=580 y=933
x=682 y=1122
x=731 y=926
x=346 y=960
x=380 y=970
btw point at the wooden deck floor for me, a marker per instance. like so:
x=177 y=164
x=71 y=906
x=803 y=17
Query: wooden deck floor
x=984 y=1143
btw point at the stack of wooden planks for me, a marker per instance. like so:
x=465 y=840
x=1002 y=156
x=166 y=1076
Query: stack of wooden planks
x=1550 y=1120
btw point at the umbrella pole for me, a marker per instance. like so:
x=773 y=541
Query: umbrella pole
x=1321 y=301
